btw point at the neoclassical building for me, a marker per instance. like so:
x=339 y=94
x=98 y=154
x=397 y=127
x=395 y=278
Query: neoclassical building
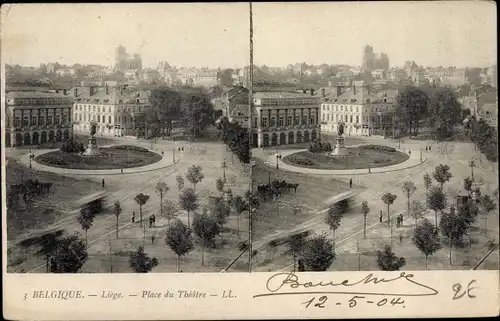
x=36 y=117
x=285 y=118
x=115 y=111
x=362 y=111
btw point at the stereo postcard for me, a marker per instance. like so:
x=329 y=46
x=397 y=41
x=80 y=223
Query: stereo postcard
x=208 y=161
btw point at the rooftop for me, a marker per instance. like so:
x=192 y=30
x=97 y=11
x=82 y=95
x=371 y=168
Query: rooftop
x=32 y=94
x=281 y=94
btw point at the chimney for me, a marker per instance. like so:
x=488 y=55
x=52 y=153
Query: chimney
x=75 y=93
x=106 y=87
x=323 y=92
x=312 y=92
x=340 y=90
x=354 y=88
x=64 y=92
x=304 y=91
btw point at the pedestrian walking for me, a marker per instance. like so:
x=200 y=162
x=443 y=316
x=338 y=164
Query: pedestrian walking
x=429 y=148
x=400 y=238
x=409 y=152
x=103 y=183
x=401 y=218
x=380 y=217
x=161 y=153
x=350 y=183
x=369 y=170
x=133 y=217
x=179 y=149
x=152 y=239
x=426 y=148
x=398 y=221
x=182 y=149
x=121 y=170
x=150 y=222
x=153 y=218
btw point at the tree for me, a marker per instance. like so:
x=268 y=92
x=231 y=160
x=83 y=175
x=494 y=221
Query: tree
x=180 y=240
x=453 y=227
x=442 y=174
x=188 y=200
x=417 y=211
x=170 y=211
x=468 y=184
x=194 y=175
x=333 y=218
x=206 y=228
x=446 y=111
x=296 y=243
x=427 y=181
x=219 y=184
x=488 y=205
x=196 y=111
x=388 y=261
x=161 y=190
x=48 y=245
x=468 y=212
x=389 y=199
x=165 y=108
x=180 y=183
x=86 y=219
x=140 y=262
x=238 y=205
x=408 y=189
x=364 y=210
x=141 y=199
x=220 y=213
x=426 y=239
x=412 y=105
x=436 y=200
x=117 y=211
x=69 y=255
x=318 y=253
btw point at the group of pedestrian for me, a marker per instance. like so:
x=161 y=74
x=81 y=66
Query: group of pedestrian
x=181 y=149
x=427 y=148
x=399 y=220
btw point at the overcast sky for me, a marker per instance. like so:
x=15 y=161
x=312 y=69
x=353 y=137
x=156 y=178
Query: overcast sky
x=432 y=34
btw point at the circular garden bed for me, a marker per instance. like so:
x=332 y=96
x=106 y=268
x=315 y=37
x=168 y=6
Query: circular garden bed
x=366 y=156
x=115 y=157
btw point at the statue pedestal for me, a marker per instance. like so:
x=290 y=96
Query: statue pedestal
x=339 y=147
x=92 y=149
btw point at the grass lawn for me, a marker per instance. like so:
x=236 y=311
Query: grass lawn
x=361 y=158
x=111 y=158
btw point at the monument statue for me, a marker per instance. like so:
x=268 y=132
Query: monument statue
x=93 y=129
x=340 y=131
x=92 y=149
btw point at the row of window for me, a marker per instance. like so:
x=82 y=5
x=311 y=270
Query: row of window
x=349 y=118
x=296 y=101
x=281 y=121
x=102 y=119
x=93 y=108
x=34 y=121
x=350 y=108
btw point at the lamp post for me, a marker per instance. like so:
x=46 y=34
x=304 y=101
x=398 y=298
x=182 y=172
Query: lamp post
x=173 y=155
x=224 y=170
x=30 y=157
x=472 y=164
x=421 y=154
x=250 y=247
x=399 y=143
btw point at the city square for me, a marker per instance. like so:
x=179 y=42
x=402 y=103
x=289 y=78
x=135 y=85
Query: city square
x=359 y=164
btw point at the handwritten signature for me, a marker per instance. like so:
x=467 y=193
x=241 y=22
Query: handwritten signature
x=279 y=283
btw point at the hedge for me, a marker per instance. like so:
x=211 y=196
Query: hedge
x=132 y=148
x=380 y=148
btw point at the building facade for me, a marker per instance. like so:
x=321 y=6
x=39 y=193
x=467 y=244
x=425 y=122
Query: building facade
x=35 y=117
x=125 y=61
x=285 y=118
x=361 y=111
x=115 y=111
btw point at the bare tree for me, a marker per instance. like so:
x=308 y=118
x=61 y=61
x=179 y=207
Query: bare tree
x=427 y=181
x=408 y=189
x=170 y=210
x=364 y=210
x=180 y=182
x=117 y=211
x=161 y=189
x=417 y=211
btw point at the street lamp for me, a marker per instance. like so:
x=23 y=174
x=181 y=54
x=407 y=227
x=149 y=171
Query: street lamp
x=224 y=170
x=31 y=156
x=421 y=154
x=472 y=164
x=173 y=155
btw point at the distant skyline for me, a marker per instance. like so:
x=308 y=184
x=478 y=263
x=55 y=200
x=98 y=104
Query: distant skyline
x=216 y=34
